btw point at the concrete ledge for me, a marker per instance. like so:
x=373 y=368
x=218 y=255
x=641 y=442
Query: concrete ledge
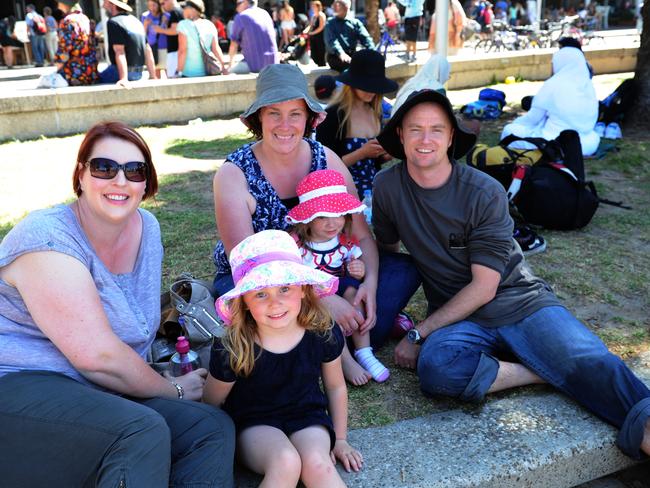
x=534 y=437
x=57 y=112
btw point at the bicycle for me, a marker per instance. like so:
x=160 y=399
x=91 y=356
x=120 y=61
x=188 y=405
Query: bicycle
x=385 y=42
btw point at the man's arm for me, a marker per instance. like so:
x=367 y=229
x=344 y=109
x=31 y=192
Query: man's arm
x=332 y=40
x=232 y=51
x=364 y=36
x=121 y=64
x=150 y=62
x=169 y=31
x=480 y=290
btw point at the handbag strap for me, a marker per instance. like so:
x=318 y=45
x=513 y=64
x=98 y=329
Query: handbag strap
x=198 y=34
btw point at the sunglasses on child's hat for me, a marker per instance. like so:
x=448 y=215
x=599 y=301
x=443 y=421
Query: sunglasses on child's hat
x=107 y=169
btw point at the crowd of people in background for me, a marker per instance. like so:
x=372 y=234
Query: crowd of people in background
x=168 y=39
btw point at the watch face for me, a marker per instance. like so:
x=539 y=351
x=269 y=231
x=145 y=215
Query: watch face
x=413 y=336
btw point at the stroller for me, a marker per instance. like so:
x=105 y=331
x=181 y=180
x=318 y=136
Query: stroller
x=296 y=50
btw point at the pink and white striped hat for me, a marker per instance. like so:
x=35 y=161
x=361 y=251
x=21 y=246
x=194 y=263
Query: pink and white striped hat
x=323 y=193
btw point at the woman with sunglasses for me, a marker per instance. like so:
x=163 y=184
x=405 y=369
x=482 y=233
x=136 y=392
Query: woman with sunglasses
x=79 y=309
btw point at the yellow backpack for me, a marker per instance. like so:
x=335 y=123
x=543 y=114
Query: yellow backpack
x=499 y=161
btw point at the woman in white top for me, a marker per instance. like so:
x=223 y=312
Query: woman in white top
x=567 y=100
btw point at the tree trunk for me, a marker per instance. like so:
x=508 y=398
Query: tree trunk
x=372 y=19
x=639 y=116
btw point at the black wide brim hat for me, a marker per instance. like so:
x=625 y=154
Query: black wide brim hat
x=367 y=72
x=389 y=139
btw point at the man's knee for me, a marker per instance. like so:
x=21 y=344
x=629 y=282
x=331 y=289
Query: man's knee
x=445 y=370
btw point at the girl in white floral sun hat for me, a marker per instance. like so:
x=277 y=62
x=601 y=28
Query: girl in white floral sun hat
x=265 y=371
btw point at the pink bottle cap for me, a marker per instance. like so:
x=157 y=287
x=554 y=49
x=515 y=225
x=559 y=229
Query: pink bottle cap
x=182 y=345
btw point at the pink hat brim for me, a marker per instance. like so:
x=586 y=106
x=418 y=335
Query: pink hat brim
x=333 y=205
x=277 y=273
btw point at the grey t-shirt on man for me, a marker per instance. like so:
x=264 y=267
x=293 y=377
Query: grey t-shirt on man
x=447 y=229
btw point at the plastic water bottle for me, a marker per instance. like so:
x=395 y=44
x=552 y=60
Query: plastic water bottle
x=184 y=359
x=367 y=201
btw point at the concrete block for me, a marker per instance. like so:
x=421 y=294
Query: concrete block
x=72 y=110
x=533 y=437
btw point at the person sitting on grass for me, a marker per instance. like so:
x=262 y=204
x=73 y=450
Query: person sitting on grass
x=322 y=225
x=485 y=305
x=79 y=310
x=266 y=371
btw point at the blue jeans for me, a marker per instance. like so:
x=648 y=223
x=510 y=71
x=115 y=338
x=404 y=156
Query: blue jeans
x=38 y=48
x=55 y=431
x=111 y=75
x=398 y=281
x=460 y=361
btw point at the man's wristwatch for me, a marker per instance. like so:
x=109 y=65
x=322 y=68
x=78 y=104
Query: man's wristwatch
x=414 y=337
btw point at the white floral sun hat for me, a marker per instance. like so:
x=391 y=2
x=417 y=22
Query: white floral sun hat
x=270 y=258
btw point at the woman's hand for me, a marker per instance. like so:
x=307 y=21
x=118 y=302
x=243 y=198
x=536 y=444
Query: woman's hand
x=344 y=314
x=350 y=458
x=372 y=149
x=356 y=269
x=192 y=383
x=366 y=296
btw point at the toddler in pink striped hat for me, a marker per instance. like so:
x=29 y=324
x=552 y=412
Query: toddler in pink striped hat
x=322 y=222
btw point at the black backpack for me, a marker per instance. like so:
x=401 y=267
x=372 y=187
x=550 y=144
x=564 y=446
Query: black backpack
x=554 y=193
x=615 y=106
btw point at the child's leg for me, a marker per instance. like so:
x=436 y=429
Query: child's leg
x=363 y=352
x=318 y=469
x=352 y=371
x=367 y=359
x=268 y=451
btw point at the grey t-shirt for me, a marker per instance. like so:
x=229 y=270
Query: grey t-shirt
x=447 y=229
x=131 y=301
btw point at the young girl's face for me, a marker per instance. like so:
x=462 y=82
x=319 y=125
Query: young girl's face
x=275 y=307
x=323 y=229
x=364 y=96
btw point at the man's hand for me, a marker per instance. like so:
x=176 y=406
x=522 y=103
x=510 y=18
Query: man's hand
x=345 y=58
x=356 y=269
x=124 y=83
x=406 y=354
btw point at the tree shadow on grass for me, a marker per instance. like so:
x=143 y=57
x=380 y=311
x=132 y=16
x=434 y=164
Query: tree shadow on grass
x=214 y=149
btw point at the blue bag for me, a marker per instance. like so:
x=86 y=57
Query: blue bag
x=482 y=110
x=492 y=95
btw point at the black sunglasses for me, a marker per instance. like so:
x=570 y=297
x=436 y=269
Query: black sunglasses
x=107 y=169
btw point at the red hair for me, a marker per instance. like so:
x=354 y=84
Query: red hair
x=118 y=130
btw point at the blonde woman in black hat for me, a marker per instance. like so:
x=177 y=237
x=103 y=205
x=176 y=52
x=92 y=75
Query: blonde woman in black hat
x=354 y=118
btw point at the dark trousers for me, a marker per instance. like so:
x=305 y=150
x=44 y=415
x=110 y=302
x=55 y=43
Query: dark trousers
x=55 y=431
x=336 y=64
x=398 y=281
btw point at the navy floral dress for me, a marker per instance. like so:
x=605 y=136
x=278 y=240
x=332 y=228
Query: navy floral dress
x=270 y=210
x=363 y=171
